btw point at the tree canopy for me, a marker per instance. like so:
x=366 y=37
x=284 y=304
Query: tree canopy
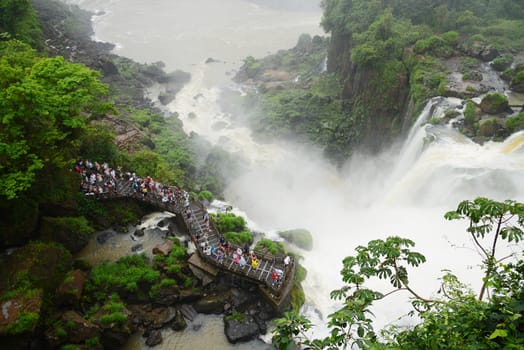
x=43 y=105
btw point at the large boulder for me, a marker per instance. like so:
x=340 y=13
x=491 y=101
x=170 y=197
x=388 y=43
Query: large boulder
x=240 y=328
x=71 y=288
x=212 y=304
x=494 y=104
x=164 y=248
x=517 y=83
x=20 y=314
x=300 y=237
x=78 y=328
x=72 y=232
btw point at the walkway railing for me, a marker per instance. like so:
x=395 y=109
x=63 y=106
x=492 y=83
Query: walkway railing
x=201 y=232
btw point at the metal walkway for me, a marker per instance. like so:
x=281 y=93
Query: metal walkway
x=201 y=233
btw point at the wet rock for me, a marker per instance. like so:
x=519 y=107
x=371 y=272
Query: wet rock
x=188 y=311
x=139 y=232
x=12 y=309
x=72 y=232
x=517 y=83
x=489 y=53
x=302 y=238
x=212 y=304
x=70 y=291
x=137 y=247
x=240 y=328
x=179 y=322
x=154 y=338
x=79 y=329
x=164 y=248
x=167 y=295
x=104 y=236
x=494 y=104
x=114 y=338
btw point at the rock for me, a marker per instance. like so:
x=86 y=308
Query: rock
x=137 y=247
x=502 y=63
x=70 y=291
x=72 y=232
x=104 y=236
x=154 y=338
x=179 y=322
x=302 y=238
x=494 y=104
x=240 y=328
x=78 y=328
x=166 y=97
x=489 y=53
x=139 y=232
x=163 y=248
x=211 y=60
x=167 y=295
x=18 y=309
x=188 y=311
x=517 y=83
x=212 y=304
x=114 y=338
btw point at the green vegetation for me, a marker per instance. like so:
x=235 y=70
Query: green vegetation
x=25 y=323
x=44 y=101
x=515 y=123
x=239 y=238
x=457 y=319
x=205 y=195
x=266 y=245
x=300 y=237
x=494 y=103
x=126 y=275
x=229 y=222
x=236 y=316
x=18 y=21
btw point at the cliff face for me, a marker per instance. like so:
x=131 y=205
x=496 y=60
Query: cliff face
x=383 y=105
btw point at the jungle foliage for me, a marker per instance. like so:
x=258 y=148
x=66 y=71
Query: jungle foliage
x=456 y=319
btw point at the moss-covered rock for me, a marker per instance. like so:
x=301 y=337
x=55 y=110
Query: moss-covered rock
x=502 y=62
x=515 y=123
x=36 y=265
x=517 y=83
x=300 y=237
x=72 y=232
x=494 y=104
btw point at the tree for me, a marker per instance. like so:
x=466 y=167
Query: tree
x=456 y=320
x=43 y=105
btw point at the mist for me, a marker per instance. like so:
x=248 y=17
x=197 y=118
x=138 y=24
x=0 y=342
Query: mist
x=403 y=191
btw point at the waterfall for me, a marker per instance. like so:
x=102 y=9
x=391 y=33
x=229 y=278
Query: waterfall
x=404 y=191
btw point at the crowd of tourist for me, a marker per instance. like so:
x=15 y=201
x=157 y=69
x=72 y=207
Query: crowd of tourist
x=100 y=179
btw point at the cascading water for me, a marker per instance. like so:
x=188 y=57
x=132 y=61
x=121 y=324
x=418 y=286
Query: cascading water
x=403 y=192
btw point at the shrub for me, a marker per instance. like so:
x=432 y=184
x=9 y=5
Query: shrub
x=515 y=123
x=494 y=103
x=115 y=317
x=205 y=195
x=239 y=238
x=236 y=316
x=275 y=248
x=125 y=274
x=470 y=114
x=229 y=222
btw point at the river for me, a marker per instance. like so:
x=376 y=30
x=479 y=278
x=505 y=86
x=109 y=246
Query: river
x=404 y=191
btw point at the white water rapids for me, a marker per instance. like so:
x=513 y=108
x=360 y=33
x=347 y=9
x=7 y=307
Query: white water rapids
x=404 y=191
